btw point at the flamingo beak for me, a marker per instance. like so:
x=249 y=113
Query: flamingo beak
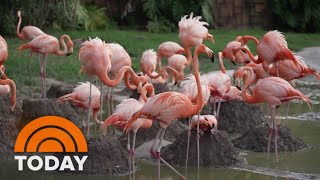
x=212 y=58
x=68 y=54
x=238 y=87
x=233 y=63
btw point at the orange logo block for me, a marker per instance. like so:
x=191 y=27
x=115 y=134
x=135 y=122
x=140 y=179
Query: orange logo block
x=50 y=134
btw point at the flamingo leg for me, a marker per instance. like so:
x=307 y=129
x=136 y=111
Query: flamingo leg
x=214 y=107
x=152 y=153
x=270 y=131
x=188 y=146
x=101 y=107
x=287 y=112
x=218 y=109
x=162 y=160
x=89 y=110
x=111 y=100
x=198 y=143
x=129 y=153
x=277 y=66
x=276 y=132
x=42 y=75
x=132 y=153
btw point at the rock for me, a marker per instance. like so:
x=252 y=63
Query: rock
x=143 y=135
x=57 y=90
x=256 y=140
x=35 y=108
x=235 y=117
x=215 y=151
x=8 y=130
x=310 y=116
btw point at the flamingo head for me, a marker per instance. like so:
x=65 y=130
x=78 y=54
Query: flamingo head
x=181 y=51
x=19 y=13
x=204 y=49
x=69 y=44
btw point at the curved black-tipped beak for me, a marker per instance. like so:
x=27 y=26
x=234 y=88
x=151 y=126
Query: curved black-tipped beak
x=68 y=54
x=239 y=88
x=175 y=83
x=212 y=58
x=233 y=63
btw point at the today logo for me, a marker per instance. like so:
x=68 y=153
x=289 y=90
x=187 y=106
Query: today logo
x=50 y=134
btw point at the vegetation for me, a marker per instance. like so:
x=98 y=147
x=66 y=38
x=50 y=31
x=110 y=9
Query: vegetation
x=25 y=69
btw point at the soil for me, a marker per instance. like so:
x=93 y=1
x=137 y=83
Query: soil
x=35 y=108
x=8 y=130
x=57 y=90
x=256 y=140
x=235 y=117
x=143 y=135
x=215 y=151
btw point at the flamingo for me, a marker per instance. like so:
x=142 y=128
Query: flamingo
x=274 y=91
x=27 y=32
x=46 y=44
x=95 y=56
x=233 y=94
x=124 y=111
x=271 y=48
x=3 y=56
x=188 y=87
x=177 y=64
x=219 y=85
x=207 y=123
x=148 y=64
x=80 y=98
x=240 y=57
x=168 y=106
x=167 y=49
x=4 y=89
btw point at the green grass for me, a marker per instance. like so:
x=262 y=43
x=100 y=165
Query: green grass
x=25 y=69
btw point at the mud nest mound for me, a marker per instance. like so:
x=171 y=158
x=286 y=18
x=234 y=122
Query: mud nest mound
x=215 y=151
x=8 y=130
x=35 y=108
x=106 y=157
x=257 y=140
x=143 y=135
x=235 y=117
x=57 y=90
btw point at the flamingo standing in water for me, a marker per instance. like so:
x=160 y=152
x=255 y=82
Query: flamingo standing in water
x=271 y=48
x=124 y=111
x=5 y=86
x=167 y=49
x=46 y=44
x=27 y=32
x=168 y=106
x=3 y=56
x=274 y=91
x=219 y=85
x=80 y=98
x=95 y=56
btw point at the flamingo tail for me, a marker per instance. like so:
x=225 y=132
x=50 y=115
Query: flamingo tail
x=111 y=120
x=25 y=46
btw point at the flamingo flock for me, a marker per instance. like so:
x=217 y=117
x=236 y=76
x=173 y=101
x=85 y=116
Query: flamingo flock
x=267 y=77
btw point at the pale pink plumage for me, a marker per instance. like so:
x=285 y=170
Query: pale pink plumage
x=240 y=57
x=3 y=56
x=119 y=58
x=27 y=32
x=4 y=89
x=148 y=64
x=233 y=94
x=206 y=122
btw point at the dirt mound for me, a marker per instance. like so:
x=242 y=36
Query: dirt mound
x=236 y=116
x=215 y=151
x=256 y=140
x=57 y=90
x=143 y=135
x=35 y=108
x=8 y=130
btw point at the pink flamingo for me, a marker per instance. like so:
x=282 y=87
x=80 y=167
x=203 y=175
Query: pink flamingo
x=46 y=44
x=167 y=49
x=240 y=57
x=3 y=56
x=148 y=64
x=4 y=89
x=27 y=32
x=271 y=48
x=207 y=123
x=168 y=106
x=124 y=111
x=219 y=85
x=95 y=56
x=274 y=91
x=80 y=98
x=233 y=94
x=177 y=64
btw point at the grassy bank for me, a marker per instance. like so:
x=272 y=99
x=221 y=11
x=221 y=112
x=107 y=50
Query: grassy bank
x=25 y=69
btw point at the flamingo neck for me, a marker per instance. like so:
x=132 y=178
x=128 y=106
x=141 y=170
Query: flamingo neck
x=251 y=56
x=199 y=104
x=124 y=70
x=174 y=72
x=65 y=49
x=154 y=76
x=252 y=38
x=221 y=63
x=13 y=91
x=248 y=81
x=147 y=89
x=189 y=55
x=18 y=28
x=127 y=82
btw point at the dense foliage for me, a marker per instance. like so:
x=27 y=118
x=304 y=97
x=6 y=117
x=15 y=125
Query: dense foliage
x=296 y=15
